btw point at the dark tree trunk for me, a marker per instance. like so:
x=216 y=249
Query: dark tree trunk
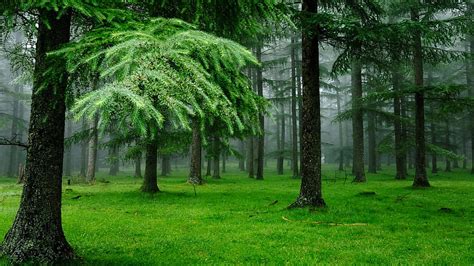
x=216 y=156
x=341 y=135
x=400 y=151
x=209 y=166
x=195 y=176
x=68 y=154
x=372 y=143
x=434 y=158
x=294 y=121
x=92 y=158
x=138 y=166
x=37 y=232
x=421 y=178
x=13 y=163
x=447 y=146
x=310 y=192
x=470 y=83
x=261 y=136
x=250 y=159
x=300 y=110
x=357 y=123
x=150 y=180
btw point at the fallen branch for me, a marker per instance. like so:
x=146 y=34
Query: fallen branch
x=326 y=223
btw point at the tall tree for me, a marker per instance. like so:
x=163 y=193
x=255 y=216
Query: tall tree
x=37 y=232
x=310 y=191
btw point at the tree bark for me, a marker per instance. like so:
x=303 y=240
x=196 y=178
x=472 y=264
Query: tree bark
x=138 y=166
x=114 y=161
x=470 y=84
x=421 y=178
x=165 y=165
x=37 y=233
x=150 y=180
x=93 y=143
x=357 y=123
x=195 y=176
x=310 y=191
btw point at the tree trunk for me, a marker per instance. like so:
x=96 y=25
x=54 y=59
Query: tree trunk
x=216 y=156
x=138 y=166
x=421 y=178
x=447 y=146
x=261 y=136
x=294 y=121
x=209 y=166
x=242 y=153
x=165 y=165
x=83 y=161
x=114 y=161
x=357 y=123
x=341 y=135
x=372 y=143
x=281 y=158
x=250 y=159
x=195 y=176
x=37 y=232
x=92 y=159
x=470 y=84
x=310 y=192
x=150 y=180
x=400 y=152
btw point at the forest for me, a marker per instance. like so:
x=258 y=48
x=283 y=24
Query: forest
x=177 y=132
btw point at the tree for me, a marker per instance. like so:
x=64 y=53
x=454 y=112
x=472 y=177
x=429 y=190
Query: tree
x=310 y=191
x=37 y=232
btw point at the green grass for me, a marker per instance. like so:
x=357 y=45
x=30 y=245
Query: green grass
x=233 y=221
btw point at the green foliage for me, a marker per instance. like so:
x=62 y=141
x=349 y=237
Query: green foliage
x=164 y=66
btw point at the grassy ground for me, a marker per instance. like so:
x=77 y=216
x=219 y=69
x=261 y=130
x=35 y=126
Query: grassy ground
x=240 y=220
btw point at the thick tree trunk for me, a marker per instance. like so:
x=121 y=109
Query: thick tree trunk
x=216 y=156
x=294 y=121
x=37 y=232
x=421 y=178
x=92 y=158
x=310 y=192
x=195 y=176
x=150 y=180
x=400 y=152
x=372 y=143
x=357 y=123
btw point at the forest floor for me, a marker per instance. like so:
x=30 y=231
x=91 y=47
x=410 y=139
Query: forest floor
x=241 y=220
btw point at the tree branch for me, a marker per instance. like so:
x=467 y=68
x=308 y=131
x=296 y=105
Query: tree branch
x=12 y=142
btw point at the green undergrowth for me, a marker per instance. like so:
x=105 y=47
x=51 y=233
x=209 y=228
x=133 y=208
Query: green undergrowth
x=241 y=220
